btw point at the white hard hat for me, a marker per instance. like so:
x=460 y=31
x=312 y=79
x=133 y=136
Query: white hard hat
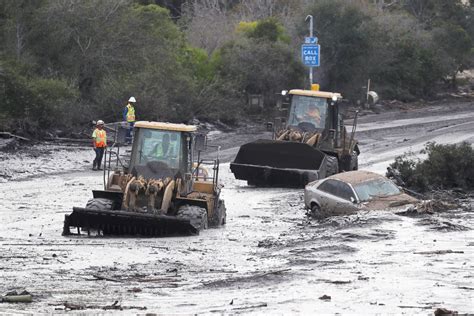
x=100 y=122
x=132 y=99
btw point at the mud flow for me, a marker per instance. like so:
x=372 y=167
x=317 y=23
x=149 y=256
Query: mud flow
x=269 y=258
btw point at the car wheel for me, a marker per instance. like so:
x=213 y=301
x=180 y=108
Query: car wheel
x=316 y=212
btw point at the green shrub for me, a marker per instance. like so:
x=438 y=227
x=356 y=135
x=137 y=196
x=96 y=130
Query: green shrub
x=446 y=166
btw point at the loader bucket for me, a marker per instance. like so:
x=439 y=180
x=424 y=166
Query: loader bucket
x=279 y=163
x=126 y=223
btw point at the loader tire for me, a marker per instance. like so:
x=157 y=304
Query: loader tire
x=354 y=161
x=100 y=204
x=332 y=166
x=196 y=215
x=220 y=215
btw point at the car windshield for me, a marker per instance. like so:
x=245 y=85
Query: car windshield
x=159 y=145
x=308 y=110
x=375 y=188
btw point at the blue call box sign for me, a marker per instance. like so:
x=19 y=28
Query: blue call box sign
x=310 y=55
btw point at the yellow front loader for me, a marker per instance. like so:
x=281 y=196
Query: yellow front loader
x=164 y=188
x=311 y=143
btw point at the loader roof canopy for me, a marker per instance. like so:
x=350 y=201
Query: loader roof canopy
x=311 y=93
x=166 y=126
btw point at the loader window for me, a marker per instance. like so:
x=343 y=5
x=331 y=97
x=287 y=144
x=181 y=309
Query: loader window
x=306 y=109
x=159 y=145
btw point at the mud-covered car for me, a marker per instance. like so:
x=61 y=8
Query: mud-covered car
x=349 y=192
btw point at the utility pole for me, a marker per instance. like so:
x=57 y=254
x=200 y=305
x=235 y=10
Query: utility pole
x=310 y=17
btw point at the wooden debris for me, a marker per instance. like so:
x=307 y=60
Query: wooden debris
x=250 y=306
x=162 y=279
x=411 y=306
x=15 y=136
x=335 y=281
x=437 y=252
x=101 y=277
x=114 y=306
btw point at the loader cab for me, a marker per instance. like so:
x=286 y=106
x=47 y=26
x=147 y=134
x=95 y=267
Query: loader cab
x=312 y=110
x=161 y=149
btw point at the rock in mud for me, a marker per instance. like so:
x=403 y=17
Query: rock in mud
x=325 y=297
x=444 y=312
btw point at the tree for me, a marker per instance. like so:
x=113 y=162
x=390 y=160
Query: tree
x=261 y=61
x=405 y=62
x=453 y=27
x=459 y=47
x=17 y=22
x=207 y=23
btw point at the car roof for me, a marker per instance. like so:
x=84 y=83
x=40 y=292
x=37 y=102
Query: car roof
x=355 y=177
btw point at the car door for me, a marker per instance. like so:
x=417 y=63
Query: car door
x=335 y=197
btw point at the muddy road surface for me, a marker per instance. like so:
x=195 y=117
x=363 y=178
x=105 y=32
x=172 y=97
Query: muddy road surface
x=268 y=258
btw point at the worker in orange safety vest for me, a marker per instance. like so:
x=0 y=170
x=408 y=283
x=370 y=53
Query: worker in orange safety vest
x=99 y=139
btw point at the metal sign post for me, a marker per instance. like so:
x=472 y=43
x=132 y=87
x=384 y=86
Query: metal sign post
x=310 y=17
x=310 y=50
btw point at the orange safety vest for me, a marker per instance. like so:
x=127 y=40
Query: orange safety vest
x=130 y=113
x=100 y=137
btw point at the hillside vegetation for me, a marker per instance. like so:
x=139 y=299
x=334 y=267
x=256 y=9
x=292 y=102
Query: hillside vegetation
x=65 y=63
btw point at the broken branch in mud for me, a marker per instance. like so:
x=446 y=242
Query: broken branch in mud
x=250 y=306
x=101 y=277
x=431 y=207
x=14 y=257
x=410 y=306
x=14 y=136
x=164 y=279
x=437 y=252
x=238 y=308
x=337 y=282
x=114 y=306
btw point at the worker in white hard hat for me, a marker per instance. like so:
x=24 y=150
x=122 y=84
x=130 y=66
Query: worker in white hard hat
x=99 y=140
x=129 y=117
